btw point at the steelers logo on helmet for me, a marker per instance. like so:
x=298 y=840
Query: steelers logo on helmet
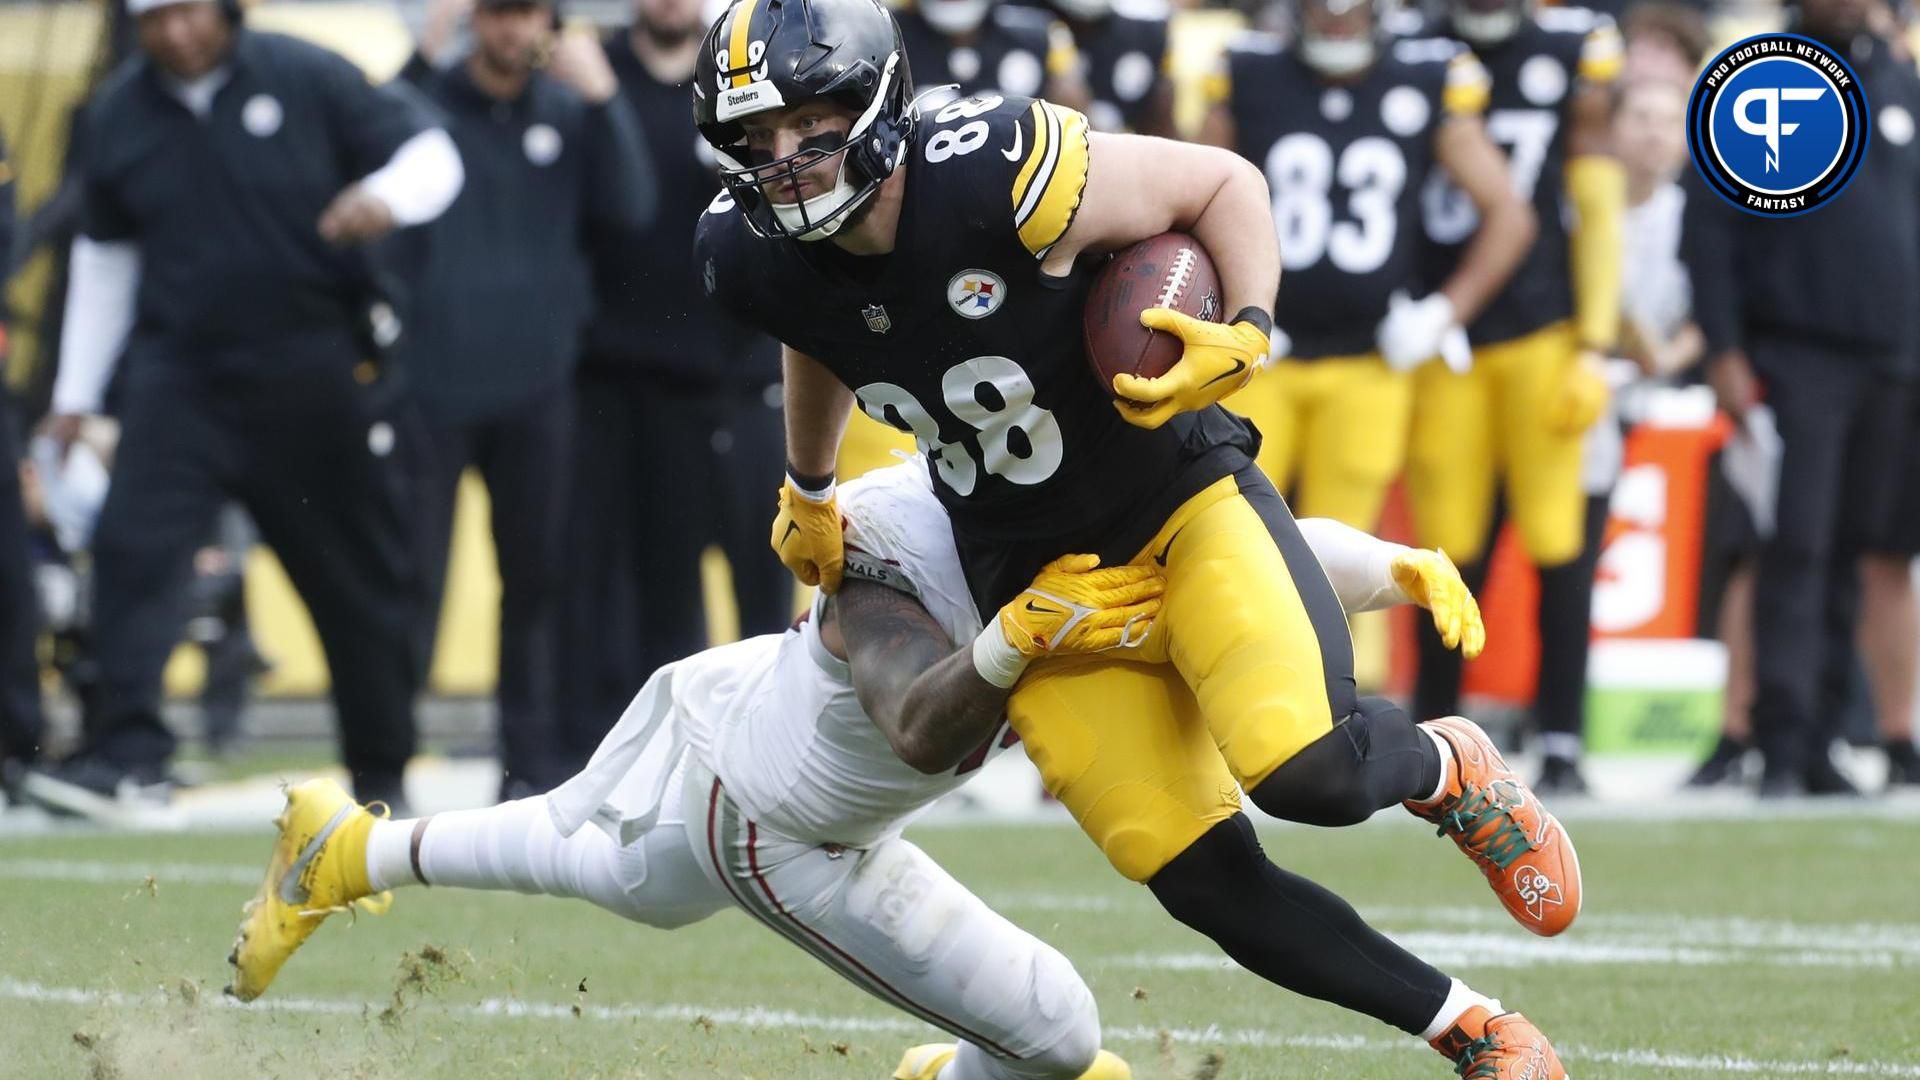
x=1338 y=38
x=1777 y=125
x=760 y=68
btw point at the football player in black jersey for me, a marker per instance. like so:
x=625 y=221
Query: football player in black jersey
x=932 y=267
x=1520 y=415
x=1348 y=128
x=1124 y=58
x=988 y=45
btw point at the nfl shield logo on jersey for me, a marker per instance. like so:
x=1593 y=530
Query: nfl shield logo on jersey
x=877 y=319
x=976 y=294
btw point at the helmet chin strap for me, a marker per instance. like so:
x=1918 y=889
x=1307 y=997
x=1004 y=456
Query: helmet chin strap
x=840 y=202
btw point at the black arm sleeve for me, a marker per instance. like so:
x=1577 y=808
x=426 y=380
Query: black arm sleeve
x=370 y=122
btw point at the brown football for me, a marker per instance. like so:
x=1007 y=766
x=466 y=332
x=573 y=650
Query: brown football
x=1170 y=270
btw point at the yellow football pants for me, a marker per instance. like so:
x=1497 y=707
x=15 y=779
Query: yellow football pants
x=1146 y=757
x=1491 y=423
x=1334 y=433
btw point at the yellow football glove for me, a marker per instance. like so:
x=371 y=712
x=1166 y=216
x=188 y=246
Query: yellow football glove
x=1430 y=580
x=1218 y=359
x=1073 y=608
x=1581 y=397
x=806 y=536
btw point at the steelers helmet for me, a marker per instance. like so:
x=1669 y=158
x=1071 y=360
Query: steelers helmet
x=763 y=55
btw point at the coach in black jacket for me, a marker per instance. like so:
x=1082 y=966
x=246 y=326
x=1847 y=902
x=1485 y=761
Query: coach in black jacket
x=1815 y=316
x=501 y=292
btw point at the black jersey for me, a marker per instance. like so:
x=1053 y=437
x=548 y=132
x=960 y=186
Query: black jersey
x=1536 y=75
x=1124 y=58
x=958 y=338
x=1345 y=163
x=1012 y=52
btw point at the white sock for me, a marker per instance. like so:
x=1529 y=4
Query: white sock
x=1460 y=998
x=390 y=854
x=1561 y=744
x=1446 y=763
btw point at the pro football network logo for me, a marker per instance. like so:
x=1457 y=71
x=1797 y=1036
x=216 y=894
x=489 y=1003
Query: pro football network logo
x=1777 y=125
x=976 y=294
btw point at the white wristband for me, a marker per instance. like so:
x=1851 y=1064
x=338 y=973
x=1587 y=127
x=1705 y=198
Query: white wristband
x=821 y=497
x=997 y=662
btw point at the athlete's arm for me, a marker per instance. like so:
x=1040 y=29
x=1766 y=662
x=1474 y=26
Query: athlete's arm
x=1139 y=186
x=1597 y=190
x=1368 y=573
x=936 y=705
x=817 y=405
x=1507 y=224
x=922 y=694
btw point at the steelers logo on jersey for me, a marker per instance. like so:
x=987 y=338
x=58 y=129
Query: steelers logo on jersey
x=976 y=294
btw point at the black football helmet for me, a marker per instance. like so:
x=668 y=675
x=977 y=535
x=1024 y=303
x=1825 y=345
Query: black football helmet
x=1338 y=56
x=764 y=55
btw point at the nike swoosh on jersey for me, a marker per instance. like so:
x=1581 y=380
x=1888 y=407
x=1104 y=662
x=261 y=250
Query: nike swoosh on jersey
x=1238 y=367
x=290 y=890
x=1018 y=137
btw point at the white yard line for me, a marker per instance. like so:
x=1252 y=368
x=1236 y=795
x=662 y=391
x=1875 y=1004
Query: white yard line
x=511 y=1009
x=130 y=873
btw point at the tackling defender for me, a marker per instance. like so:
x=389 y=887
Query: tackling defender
x=776 y=775
x=948 y=304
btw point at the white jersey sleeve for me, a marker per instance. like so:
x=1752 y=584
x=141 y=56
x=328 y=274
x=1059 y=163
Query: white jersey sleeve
x=898 y=535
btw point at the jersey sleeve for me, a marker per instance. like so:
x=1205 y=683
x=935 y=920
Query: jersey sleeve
x=1053 y=175
x=726 y=272
x=898 y=535
x=1467 y=86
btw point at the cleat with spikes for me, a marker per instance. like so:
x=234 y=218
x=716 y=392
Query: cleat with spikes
x=319 y=867
x=925 y=1063
x=1499 y=823
x=1483 y=1046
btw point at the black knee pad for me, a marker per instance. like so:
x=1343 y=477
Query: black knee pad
x=1371 y=760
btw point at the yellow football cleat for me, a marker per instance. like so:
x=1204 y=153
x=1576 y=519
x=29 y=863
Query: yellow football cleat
x=319 y=867
x=925 y=1063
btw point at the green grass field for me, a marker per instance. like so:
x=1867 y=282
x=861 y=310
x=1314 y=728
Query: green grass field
x=1758 y=949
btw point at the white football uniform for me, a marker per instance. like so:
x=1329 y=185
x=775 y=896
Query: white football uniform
x=748 y=775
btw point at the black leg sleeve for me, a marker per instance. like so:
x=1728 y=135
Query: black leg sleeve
x=1375 y=758
x=1294 y=933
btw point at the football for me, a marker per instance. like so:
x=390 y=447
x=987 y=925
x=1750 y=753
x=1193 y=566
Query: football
x=1171 y=270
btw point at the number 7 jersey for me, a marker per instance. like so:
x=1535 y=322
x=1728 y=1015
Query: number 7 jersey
x=959 y=339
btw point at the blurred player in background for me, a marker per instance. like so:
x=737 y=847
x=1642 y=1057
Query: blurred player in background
x=1124 y=60
x=231 y=178
x=991 y=45
x=678 y=419
x=501 y=294
x=964 y=224
x=21 y=722
x=1348 y=127
x=1516 y=422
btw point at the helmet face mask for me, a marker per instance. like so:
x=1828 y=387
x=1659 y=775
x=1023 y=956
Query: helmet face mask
x=1337 y=38
x=955 y=16
x=1486 y=22
x=793 y=52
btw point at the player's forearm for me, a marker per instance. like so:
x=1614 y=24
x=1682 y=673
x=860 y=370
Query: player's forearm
x=1358 y=565
x=102 y=298
x=1506 y=233
x=817 y=407
x=947 y=712
x=1597 y=187
x=1236 y=228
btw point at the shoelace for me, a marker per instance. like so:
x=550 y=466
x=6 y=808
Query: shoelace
x=1475 y=808
x=1485 y=1070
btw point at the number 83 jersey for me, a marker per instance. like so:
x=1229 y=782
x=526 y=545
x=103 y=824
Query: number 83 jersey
x=958 y=338
x=1345 y=163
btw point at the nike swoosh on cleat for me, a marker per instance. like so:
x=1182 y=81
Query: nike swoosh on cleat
x=1238 y=367
x=1018 y=134
x=290 y=890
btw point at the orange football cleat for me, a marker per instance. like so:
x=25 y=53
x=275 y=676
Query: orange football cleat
x=1504 y=1047
x=1500 y=824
